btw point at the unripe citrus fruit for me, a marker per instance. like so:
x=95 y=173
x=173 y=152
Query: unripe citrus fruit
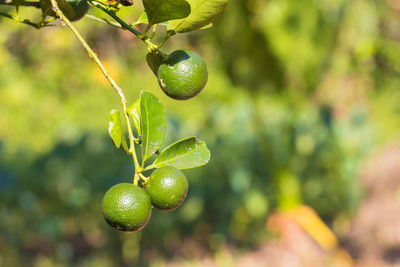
x=167 y=188
x=182 y=75
x=126 y=207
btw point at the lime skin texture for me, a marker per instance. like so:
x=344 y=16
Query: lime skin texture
x=126 y=207
x=182 y=75
x=167 y=188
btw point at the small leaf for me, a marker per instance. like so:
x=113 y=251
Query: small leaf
x=17 y=2
x=125 y=145
x=66 y=8
x=154 y=61
x=134 y=112
x=207 y=26
x=115 y=128
x=153 y=123
x=184 y=154
x=164 y=10
x=142 y=19
x=203 y=12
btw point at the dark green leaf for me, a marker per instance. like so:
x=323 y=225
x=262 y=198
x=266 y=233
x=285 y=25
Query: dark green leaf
x=153 y=123
x=134 y=112
x=66 y=8
x=203 y=12
x=154 y=61
x=164 y=10
x=115 y=128
x=17 y=2
x=184 y=154
x=144 y=20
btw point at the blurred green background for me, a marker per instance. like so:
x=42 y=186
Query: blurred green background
x=299 y=94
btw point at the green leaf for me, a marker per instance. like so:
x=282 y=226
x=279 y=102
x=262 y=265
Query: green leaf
x=153 y=123
x=184 y=154
x=134 y=112
x=154 y=61
x=203 y=12
x=144 y=20
x=66 y=8
x=164 y=10
x=207 y=26
x=115 y=128
x=17 y=2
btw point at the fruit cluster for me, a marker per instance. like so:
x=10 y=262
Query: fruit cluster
x=127 y=207
x=181 y=75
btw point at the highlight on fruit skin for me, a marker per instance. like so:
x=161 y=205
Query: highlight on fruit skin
x=126 y=207
x=182 y=74
x=167 y=188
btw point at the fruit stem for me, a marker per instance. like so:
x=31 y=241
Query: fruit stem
x=169 y=34
x=136 y=179
x=132 y=139
x=144 y=178
x=93 y=55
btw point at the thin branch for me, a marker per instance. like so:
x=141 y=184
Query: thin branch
x=93 y=55
x=24 y=21
x=114 y=24
x=25 y=3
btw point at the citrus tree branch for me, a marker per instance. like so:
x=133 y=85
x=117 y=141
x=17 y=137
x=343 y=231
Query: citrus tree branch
x=25 y=3
x=114 y=85
x=24 y=21
x=114 y=24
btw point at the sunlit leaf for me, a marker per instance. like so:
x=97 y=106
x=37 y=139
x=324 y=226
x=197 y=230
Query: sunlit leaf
x=115 y=128
x=144 y=20
x=164 y=10
x=184 y=154
x=153 y=123
x=134 y=112
x=203 y=12
x=154 y=61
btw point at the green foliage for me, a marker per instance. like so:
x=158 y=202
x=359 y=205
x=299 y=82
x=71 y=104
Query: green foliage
x=184 y=154
x=115 y=129
x=153 y=123
x=203 y=12
x=164 y=10
x=73 y=9
x=154 y=60
x=311 y=91
x=134 y=112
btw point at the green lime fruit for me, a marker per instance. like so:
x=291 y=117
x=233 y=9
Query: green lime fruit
x=167 y=188
x=126 y=207
x=182 y=75
x=80 y=7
